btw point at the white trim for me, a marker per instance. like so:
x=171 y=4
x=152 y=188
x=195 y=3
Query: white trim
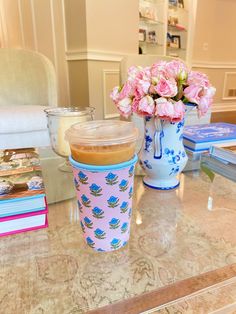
x=112 y=115
x=224 y=97
x=191 y=31
x=213 y=65
x=34 y=25
x=53 y=35
x=64 y=24
x=93 y=55
x=65 y=49
x=21 y=23
x=5 y=37
x=221 y=107
x=108 y=115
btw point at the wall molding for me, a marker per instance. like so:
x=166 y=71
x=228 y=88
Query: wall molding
x=4 y=29
x=213 y=65
x=93 y=56
x=34 y=25
x=106 y=73
x=224 y=93
x=21 y=23
x=223 y=106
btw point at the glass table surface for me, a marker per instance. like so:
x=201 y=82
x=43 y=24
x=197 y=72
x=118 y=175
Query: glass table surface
x=175 y=235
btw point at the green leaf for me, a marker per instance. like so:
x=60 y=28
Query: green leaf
x=208 y=172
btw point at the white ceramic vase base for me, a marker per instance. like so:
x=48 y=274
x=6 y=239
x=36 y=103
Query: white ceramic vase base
x=162 y=155
x=161 y=184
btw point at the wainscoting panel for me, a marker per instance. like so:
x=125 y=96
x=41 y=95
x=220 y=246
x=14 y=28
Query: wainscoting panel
x=37 y=25
x=110 y=80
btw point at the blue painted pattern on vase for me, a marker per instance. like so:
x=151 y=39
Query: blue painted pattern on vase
x=166 y=157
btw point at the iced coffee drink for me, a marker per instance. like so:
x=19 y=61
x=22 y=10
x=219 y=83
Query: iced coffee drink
x=104 y=142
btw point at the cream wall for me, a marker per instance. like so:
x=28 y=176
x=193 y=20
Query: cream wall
x=214 y=47
x=37 y=25
x=112 y=25
x=99 y=33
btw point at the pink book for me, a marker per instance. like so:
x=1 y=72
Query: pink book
x=24 y=222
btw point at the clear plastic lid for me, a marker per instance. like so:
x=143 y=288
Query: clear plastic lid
x=102 y=133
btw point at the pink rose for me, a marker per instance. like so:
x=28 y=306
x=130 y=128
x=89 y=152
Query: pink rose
x=146 y=106
x=204 y=104
x=126 y=90
x=193 y=93
x=210 y=92
x=115 y=94
x=197 y=78
x=133 y=72
x=177 y=69
x=166 y=88
x=141 y=88
x=158 y=68
x=124 y=106
x=171 y=111
x=142 y=83
x=179 y=111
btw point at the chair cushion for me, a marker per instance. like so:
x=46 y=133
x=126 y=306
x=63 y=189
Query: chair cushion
x=17 y=119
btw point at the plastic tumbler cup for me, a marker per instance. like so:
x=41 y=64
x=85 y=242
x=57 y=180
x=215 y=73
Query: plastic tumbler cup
x=104 y=187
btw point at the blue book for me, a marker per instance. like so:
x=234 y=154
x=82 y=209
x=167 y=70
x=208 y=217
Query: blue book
x=21 y=183
x=200 y=137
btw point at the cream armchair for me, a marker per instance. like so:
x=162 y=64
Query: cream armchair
x=27 y=87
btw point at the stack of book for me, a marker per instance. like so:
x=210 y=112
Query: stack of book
x=221 y=160
x=198 y=139
x=23 y=204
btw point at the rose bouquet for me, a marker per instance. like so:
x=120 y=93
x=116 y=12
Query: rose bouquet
x=162 y=90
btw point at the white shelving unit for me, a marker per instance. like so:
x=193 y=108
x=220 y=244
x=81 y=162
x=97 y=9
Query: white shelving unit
x=152 y=26
x=167 y=28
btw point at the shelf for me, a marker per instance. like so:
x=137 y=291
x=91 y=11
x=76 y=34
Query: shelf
x=156 y=2
x=176 y=8
x=172 y=48
x=149 y=21
x=176 y=29
x=150 y=43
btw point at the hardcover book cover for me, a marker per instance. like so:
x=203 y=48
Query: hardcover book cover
x=23 y=223
x=203 y=135
x=21 y=182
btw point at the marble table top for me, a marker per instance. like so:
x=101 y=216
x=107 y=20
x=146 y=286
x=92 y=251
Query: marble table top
x=175 y=235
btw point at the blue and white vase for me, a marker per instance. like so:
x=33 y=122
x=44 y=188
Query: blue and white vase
x=162 y=155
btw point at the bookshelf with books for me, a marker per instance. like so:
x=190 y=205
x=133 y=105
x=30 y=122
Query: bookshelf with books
x=23 y=204
x=152 y=26
x=165 y=28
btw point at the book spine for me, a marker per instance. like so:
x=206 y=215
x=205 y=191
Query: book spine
x=26 y=229
x=41 y=212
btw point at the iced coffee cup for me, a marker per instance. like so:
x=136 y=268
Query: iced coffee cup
x=103 y=160
x=104 y=142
